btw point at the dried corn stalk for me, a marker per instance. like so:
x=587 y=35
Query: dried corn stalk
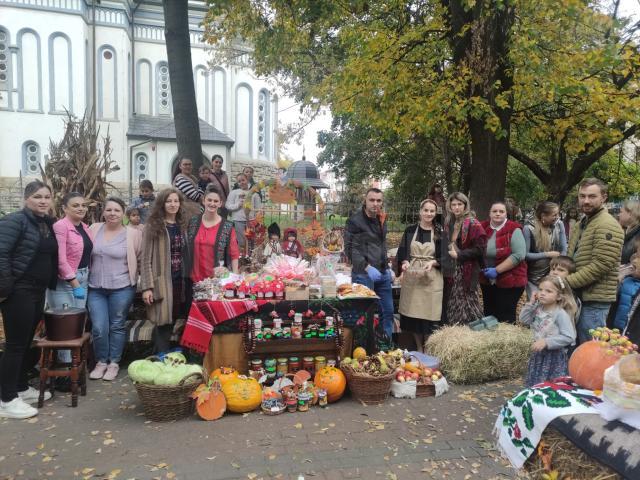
x=76 y=164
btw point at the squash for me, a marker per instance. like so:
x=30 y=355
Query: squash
x=210 y=401
x=224 y=374
x=588 y=363
x=243 y=394
x=359 y=353
x=333 y=381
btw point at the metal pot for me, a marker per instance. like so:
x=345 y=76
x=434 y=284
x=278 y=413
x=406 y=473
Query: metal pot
x=64 y=324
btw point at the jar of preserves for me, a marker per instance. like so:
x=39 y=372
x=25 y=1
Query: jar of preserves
x=277 y=323
x=307 y=364
x=322 y=397
x=282 y=367
x=331 y=362
x=294 y=364
x=319 y=362
x=304 y=400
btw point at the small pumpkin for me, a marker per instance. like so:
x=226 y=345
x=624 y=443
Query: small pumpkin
x=210 y=401
x=588 y=363
x=333 y=381
x=224 y=374
x=243 y=394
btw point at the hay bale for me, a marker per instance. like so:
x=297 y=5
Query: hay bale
x=567 y=459
x=476 y=357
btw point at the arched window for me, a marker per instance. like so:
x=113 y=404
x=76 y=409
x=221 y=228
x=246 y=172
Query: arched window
x=141 y=166
x=144 y=87
x=60 y=73
x=6 y=76
x=29 y=71
x=219 y=99
x=107 y=83
x=264 y=123
x=244 y=120
x=201 y=86
x=163 y=89
x=30 y=159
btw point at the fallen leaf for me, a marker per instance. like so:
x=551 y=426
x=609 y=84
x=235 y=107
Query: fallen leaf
x=235 y=465
x=251 y=476
x=298 y=425
x=272 y=457
x=427 y=440
x=171 y=475
x=95 y=432
x=108 y=441
x=114 y=473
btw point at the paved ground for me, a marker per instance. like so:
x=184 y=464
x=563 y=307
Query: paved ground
x=107 y=436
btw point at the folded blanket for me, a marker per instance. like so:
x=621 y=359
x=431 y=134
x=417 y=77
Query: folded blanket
x=203 y=316
x=523 y=418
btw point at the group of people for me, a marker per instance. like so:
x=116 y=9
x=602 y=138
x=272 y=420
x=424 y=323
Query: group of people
x=443 y=265
x=100 y=267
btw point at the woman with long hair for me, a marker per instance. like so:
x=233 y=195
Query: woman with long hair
x=184 y=180
x=161 y=272
x=28 y=266
x=629 y=220
x=467 y=241
x=544 y=238
x=571 y=217
x=210 y=240
x=505 y=276
x=419 y=259
x=113 y=275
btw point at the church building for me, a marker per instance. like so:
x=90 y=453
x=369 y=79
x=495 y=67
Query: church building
x=110 y=55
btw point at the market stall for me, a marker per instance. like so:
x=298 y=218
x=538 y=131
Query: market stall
x=227 y=344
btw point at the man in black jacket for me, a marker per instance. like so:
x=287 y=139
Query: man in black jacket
x=366 y=247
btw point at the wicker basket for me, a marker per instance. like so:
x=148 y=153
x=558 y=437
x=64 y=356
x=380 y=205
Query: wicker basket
x=368 y=389
x=425 y=390
x=164 y=403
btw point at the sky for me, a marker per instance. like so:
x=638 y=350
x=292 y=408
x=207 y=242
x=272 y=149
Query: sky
x=288 y=110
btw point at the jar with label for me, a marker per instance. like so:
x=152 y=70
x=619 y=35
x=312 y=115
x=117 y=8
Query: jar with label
x=314 y=330
x=270 y=368
x=292 y=404
x=307 y=364
x=319 y=362
x=315 y=292
x=331 y=362
x=294 y=364
x=282 y=367
x=321 y=332
x=296 y=327
x=277 y=323
x=329 y=328
x=304 y=400
x=322 y=397
x=267 y=334
x=286 y=332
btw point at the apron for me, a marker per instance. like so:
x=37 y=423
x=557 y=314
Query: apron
x=421 y=294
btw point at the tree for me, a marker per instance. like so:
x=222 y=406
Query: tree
x=492 y=77
x=185 y=110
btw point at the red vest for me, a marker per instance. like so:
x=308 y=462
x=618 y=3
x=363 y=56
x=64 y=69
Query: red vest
x=516 y=277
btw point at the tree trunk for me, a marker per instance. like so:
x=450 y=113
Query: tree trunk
x=185 y=110
x=479 y=38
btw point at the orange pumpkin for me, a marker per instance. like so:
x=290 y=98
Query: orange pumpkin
x=588 y=363
x=243 y=394
x=224 y=374
x=333 y=381
x=210 y=401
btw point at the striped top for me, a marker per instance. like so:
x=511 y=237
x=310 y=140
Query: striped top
x=188 y=187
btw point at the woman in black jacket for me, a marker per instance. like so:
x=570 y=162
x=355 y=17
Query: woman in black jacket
x=28 y=266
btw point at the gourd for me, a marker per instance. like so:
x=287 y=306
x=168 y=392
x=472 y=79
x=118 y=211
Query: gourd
x=210 y=401
x=243 y=394
x=224 y=374
x=588 y=363
x=333 y=381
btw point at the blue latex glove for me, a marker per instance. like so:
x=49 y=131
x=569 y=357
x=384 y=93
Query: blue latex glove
x=79 y=293
x=491 y=273
x=374 y=273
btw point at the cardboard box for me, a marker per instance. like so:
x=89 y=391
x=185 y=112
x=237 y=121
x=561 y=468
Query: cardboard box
x=296 y=293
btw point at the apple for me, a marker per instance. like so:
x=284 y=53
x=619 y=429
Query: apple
x=434 y=377
x=428 y=372
x=414 y=376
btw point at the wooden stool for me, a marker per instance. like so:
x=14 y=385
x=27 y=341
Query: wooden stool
x=77 y=369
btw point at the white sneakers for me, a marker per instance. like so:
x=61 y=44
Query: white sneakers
x=17 y=408
x=112 y=372
x=105 y=372
x=30 y=395
x=98 y=371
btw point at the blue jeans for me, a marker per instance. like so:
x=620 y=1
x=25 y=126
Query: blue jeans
x=383 y=289
x=63 y=294
x=592 y=315
x=108 y=309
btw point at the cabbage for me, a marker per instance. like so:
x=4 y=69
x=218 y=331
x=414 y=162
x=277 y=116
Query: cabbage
x=169 y=377
x=144 y=371
x=175 y=358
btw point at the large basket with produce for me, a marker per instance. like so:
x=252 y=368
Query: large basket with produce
x=165 y=389
x=369 y=378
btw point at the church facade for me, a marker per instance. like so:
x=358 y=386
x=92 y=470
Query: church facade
x=110 y=56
